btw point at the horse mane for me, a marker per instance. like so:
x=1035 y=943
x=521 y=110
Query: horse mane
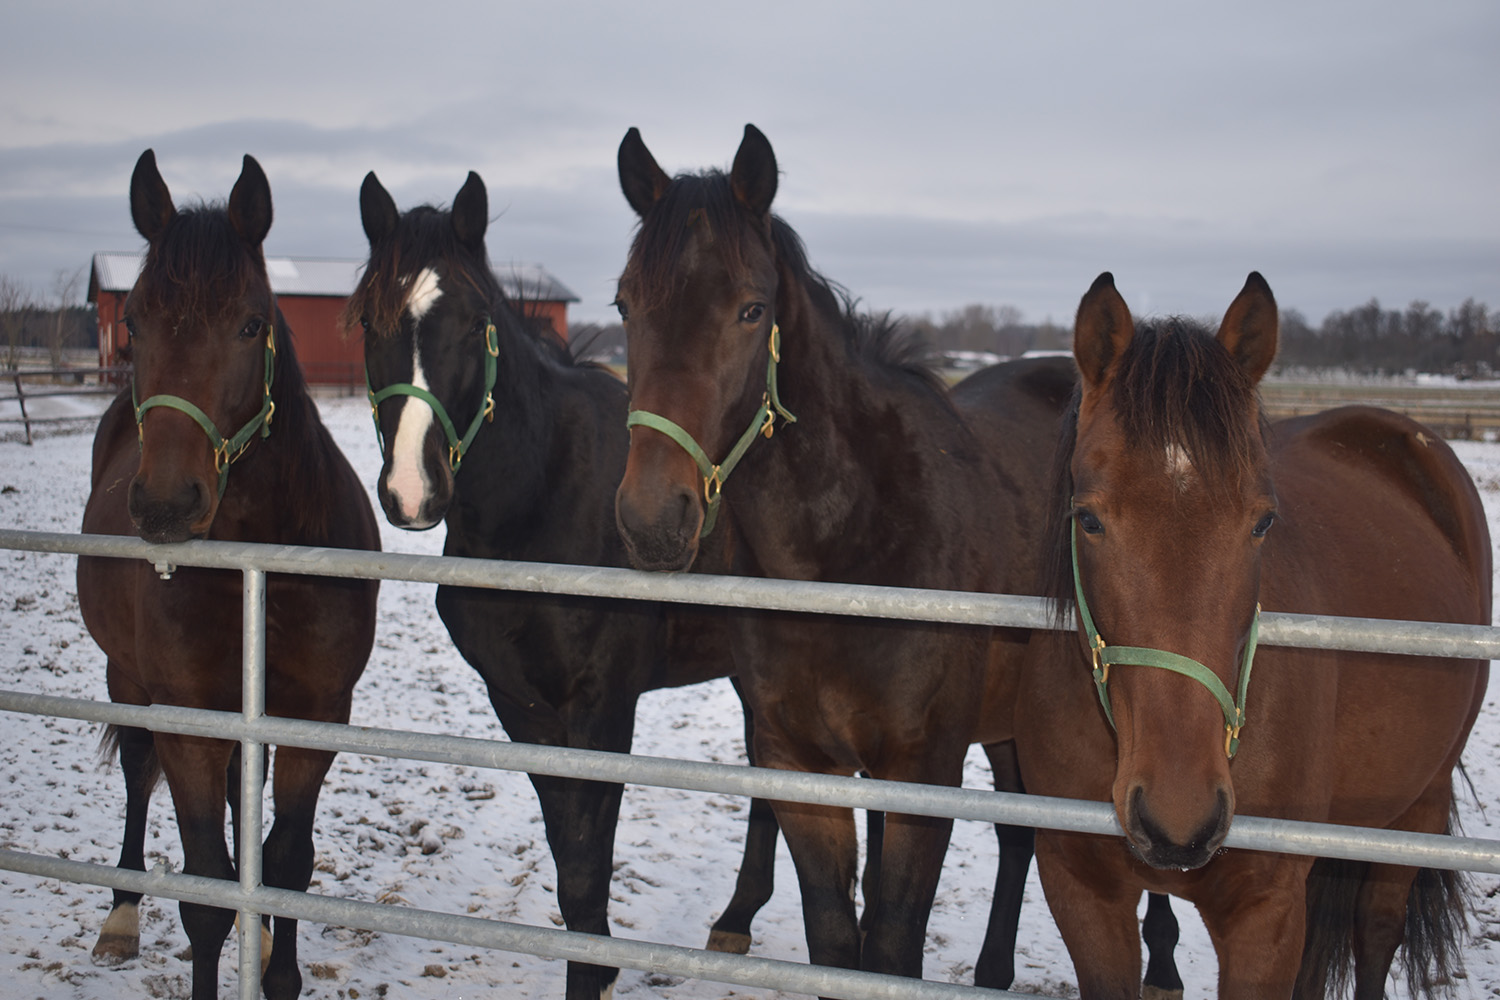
x=706 y=199
x=199 y=268
x=1175 y=385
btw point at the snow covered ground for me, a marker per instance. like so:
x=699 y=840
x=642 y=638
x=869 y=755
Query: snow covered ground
x=676 y=852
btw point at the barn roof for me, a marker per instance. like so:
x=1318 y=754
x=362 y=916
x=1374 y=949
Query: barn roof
x=326 y=276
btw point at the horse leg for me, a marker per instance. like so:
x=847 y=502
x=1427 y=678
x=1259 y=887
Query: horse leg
x=288 y=857
x=1390 y=894
x=1095 y=912
x=911 y=863
x=874 y=849
x=996 y=967
x=195 y=769
x=120 y=937
x=757 y=877
x=825 y=852
x=580 y=817
x=1160 y=932
x=1258 y=936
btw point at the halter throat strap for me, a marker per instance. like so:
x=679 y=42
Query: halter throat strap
x=762 y=424
x=1105 y=656
x=226 y=451
x=457 y=446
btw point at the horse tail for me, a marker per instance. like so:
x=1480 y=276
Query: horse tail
x=1435 y=927
x=109 y=752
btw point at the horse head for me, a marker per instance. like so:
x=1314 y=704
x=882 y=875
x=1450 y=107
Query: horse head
x=1171 y=498
x=201 y=321
x=428 y=303
x=700 y=296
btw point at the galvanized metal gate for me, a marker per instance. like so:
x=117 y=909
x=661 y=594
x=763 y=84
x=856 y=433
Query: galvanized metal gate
x=255 y=731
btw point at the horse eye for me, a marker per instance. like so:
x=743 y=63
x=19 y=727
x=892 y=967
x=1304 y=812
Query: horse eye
x=130 y=328
x=1090 y=524
x=623 y=308
x=753 y=312
x=364 y=324
x=254 y=328
x=1263 y=525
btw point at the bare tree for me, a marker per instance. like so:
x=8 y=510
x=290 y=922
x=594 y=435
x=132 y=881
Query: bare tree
x=15 y=302
x=65 y=286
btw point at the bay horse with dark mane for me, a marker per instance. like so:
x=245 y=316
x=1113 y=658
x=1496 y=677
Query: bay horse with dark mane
x=765 y=410
x=218 y=438
x=1178 y=512
x=489 y=424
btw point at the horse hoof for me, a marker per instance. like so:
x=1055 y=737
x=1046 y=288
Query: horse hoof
x=729 y=942
x=1157 y=993
x=115 y=949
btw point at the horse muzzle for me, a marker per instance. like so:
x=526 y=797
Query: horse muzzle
x=1180 y=843
x=182 y=511
x=660 y=527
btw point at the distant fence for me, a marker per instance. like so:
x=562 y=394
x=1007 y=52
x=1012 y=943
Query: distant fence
x=255 y=730
x=1453 y=411
x=57 y=382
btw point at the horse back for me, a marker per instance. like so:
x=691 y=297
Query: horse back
x=1016 y=409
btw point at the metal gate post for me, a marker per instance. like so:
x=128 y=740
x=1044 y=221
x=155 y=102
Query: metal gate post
x=252 y=772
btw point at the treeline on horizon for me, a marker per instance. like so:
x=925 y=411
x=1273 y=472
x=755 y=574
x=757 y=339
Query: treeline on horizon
x=1368 y=339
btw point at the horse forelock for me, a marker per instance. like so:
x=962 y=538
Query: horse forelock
x=424 y=241
x=200 y=270
x=1177 y=391
x=697 y=213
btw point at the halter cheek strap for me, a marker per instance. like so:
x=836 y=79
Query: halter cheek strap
x=226 y=451
x=457 y=446
x=1105 y=656
x=763 y=423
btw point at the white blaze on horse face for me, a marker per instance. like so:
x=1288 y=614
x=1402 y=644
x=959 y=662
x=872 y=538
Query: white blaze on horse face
x=1179 y=465
x=423 y=295
x=408 y=483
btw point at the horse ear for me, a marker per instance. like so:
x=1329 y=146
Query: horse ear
x=151 y=205
x=640 y=178
x=471 y=212
x=1102 y=331
x=377 y=209
x=753 y=176
x=1250 y=328
x=250 y=203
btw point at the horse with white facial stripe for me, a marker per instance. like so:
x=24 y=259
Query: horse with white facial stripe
x=490 y=425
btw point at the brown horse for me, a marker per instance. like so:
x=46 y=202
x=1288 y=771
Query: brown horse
x=885 y=477
x=218 y=438
x=1176 y=510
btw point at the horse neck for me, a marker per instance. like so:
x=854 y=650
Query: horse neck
x=809 y=493
x=511 y=484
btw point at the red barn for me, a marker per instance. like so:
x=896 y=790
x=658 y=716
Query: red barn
x=311 y=292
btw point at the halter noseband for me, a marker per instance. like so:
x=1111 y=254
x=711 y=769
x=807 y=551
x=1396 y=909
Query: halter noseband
x=457 y=446
x=225 y=451
x=1104 y=656
x=764 y=422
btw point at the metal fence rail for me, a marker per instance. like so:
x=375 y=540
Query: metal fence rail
x=255 y=730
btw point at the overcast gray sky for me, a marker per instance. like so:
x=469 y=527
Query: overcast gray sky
x=932 y=154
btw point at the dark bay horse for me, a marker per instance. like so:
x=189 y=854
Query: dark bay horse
x=490 y=425
x=218 y=438
x=1176 y=510
x=850 y=462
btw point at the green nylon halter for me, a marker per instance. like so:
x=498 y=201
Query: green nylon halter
x=1105 y=656
x=225 y=451
x=764 y=422
x=457 y=446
